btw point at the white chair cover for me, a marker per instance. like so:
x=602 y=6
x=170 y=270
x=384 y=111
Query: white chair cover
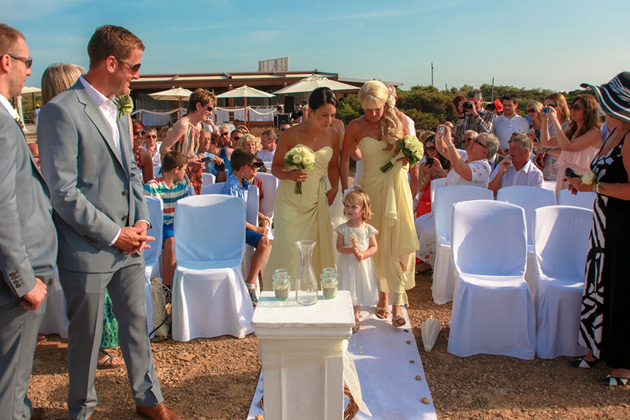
x=212 y=188
x=549 y=185
x=582 y=199
x=561 y=244
x=443 y=273
x=269 y=186
x=209 y=294
x=435 y=185
x=207 y=178
x=493 y=311
x=55 y=320
x=529 y=198
x=152 y=255
x=156 y=171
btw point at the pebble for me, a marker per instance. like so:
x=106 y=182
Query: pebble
x=412 y=361
x=425 y=400
x=418 y=378
x=408 y=341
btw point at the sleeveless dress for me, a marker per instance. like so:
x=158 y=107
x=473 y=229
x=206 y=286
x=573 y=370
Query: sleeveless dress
x=579 y=161
x=302 y=217
x=358 y=276
x=605 y=317
x=391 y=206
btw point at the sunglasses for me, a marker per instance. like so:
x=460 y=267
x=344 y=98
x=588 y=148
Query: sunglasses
x=136 y=132
x=431 y=149
x=236 y=138
x=28 y=61
x=209 y=108
x=134 y=67
x=552 y=105
x=480 y=143
x=152 y=136
x=576 y=107
x=466 y=140
x=225 y=134
x=531 y=111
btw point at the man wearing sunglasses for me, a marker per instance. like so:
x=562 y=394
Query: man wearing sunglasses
x=28 y=242
x=101 y=219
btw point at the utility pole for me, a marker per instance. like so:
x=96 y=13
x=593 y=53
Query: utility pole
x=431 y=74
x=492 y=89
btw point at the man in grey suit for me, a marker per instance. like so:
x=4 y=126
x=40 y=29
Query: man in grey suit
x=102 y=220
x=28 y=242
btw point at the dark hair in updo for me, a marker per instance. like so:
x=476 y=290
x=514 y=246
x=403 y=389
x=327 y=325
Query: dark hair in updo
x=321 y=96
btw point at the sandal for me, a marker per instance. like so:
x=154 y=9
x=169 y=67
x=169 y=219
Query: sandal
x=583 y=363
x=611 y=381
x=110 y=362
x=381 y=313
x=356 y=327
x=398 y=321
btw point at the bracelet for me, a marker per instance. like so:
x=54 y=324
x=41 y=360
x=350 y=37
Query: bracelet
x=596 y=187
x=450 y=145
x=423 y=180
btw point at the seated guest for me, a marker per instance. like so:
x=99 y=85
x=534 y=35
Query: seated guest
x=517 y=168
x=215 y=165
x=435 y=166
x=473 y=171
x=170 y=187
x=242 y=163
x=143 y=158
x=252 y=144
x=226 y=146
x=150 y=143
x=268 y=140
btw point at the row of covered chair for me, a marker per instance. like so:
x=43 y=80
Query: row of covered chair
x=494 y=311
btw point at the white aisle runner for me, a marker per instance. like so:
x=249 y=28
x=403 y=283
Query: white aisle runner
x=388 y=378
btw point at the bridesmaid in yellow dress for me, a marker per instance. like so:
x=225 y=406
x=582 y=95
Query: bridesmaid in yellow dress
x=376 y=133
x=306 y=216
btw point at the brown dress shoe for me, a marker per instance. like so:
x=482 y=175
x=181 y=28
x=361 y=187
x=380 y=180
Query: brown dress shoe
x=157 y=412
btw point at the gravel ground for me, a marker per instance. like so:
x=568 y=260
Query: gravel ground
x=216 y=378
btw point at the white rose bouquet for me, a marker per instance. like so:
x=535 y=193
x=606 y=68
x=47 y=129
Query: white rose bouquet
x=299 y=157
x=411 y=148
x=124 y=104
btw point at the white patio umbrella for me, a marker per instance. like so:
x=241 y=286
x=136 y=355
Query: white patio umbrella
x=27 y=90
x=312 y=82
x=245 y=92
x=174 y=94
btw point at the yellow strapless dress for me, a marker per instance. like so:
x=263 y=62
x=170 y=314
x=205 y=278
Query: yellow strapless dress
x=302 y=217
x=391 y=205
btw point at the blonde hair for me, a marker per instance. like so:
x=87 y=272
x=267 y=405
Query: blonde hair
x=249 y=138
x=57 y=78
x=375 y=94
x=535 y=105
x=360 y=197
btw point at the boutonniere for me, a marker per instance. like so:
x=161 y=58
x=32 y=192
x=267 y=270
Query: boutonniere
x=124 y=104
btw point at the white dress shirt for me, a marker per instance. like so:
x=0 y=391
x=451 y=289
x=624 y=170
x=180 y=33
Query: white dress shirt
x=529 y=175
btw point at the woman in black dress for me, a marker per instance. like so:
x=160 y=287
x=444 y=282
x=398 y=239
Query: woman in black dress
x=605 y=318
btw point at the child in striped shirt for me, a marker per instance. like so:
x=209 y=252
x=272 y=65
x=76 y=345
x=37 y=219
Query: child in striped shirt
x=170 y=188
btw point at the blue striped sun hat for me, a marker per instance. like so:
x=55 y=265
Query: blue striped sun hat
x=614 y=96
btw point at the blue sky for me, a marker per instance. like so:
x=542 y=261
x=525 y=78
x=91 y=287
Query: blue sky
x=547 y=44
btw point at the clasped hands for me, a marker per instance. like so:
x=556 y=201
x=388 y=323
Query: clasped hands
x=133 y=238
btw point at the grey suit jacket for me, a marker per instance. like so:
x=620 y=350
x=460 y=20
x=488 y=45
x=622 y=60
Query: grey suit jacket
x=95 y=186
x=28 y=242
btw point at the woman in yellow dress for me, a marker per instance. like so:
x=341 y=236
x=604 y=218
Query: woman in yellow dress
x=305 y=216
x=376 y=133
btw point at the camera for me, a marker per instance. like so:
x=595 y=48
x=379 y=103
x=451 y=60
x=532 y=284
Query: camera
x=429 y=161
x=441 y=130
x=467 y=106
x=546 y=110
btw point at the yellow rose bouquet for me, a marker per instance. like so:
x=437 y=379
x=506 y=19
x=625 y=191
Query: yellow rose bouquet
x=411 y=148
x=299 y=157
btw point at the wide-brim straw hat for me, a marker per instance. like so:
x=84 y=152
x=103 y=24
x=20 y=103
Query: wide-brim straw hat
x=614 y=96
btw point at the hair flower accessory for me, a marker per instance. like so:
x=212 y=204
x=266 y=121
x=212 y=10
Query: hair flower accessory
x=391 y=101
x=124 y=104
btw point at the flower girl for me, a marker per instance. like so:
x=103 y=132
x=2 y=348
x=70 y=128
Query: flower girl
x=356 y=242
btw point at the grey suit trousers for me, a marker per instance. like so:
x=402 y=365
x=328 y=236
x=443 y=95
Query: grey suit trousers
x=85 y=297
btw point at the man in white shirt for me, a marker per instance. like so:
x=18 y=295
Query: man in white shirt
x=150 y=143
x=517 y=168
x=268 y=140
x=508 y=123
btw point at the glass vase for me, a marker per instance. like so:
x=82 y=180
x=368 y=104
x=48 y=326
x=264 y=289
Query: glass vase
x=306 y=282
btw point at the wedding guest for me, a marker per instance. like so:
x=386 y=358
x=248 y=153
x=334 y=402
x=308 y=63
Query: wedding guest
x=306 y=216
x=268 y=140
x=376 y=134
x=580 y=142
x=243 y=164
x=558 y=102
x=534 y=108
x=57 y=78
x=435 y=166
x=509 y=122
x=28 y=242
x=150 y=144
x=517 y=168
x=605 y=318
x=142 y=156
x=101 y=219
x=473 y=116
x=284 y=127
x=216 y=165
x=184 y=137
x=162 y=133
x=170 y=187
